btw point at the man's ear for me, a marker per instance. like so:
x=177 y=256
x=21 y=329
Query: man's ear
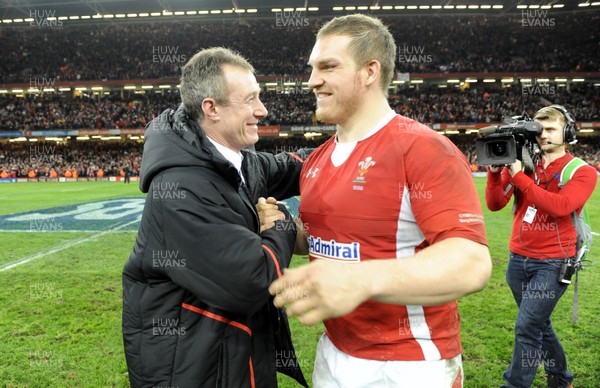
x=209 y=107
x=373 y=69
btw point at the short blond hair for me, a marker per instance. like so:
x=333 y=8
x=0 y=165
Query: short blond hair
x=550 y=113
x=369 y=39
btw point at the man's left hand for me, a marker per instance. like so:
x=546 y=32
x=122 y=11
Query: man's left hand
x=515 y=167
x=320 y=290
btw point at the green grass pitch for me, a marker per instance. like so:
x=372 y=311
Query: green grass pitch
x=60 y=321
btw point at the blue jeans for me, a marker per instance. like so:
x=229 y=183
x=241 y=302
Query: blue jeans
x=536 y=289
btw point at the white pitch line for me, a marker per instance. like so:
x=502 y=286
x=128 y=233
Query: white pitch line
x=64 y=246
x=596 y=234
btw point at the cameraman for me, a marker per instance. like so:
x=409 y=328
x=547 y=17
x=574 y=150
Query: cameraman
x=543 y=236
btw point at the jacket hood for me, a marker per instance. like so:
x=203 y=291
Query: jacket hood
x=173 y=139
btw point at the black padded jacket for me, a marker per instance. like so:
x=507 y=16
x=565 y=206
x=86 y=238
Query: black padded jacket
x=196 y=307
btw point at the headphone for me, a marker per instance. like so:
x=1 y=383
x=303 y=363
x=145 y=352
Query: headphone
x=570 y=128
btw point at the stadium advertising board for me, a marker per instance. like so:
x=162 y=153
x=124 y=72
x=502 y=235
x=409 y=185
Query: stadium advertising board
x=269 y=130
x=308 y=128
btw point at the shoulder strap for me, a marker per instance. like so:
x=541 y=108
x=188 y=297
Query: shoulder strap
x=575 y=297
x=565 y=175
x=569 y=170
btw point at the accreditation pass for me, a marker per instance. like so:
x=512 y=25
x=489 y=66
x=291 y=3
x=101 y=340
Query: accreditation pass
x=530 y=214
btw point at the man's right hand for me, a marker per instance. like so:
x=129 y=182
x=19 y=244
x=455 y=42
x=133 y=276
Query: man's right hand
x=494 y=168
x=268 y=213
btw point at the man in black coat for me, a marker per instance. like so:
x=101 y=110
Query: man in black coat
x=196 y=306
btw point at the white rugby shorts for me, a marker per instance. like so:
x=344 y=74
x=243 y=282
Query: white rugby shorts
x=336 y=369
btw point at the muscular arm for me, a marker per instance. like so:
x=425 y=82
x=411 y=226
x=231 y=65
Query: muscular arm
x=438 y=274
x=441 y=273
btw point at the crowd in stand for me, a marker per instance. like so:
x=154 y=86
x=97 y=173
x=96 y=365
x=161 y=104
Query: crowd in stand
x=55 y=111
x=484 y=104
x=104 y=159
x=426 y=104
x=75 y=159
x=118 y=51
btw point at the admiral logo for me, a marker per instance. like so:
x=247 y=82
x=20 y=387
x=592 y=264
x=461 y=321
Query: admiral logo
x=333 y=250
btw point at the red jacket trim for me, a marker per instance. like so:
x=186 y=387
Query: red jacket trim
x=266 y=248
x=293 y=155
x=217 y=317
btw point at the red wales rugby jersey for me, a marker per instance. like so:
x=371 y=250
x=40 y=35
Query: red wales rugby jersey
x=401 y=189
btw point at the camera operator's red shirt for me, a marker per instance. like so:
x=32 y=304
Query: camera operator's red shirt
x=551 y=234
